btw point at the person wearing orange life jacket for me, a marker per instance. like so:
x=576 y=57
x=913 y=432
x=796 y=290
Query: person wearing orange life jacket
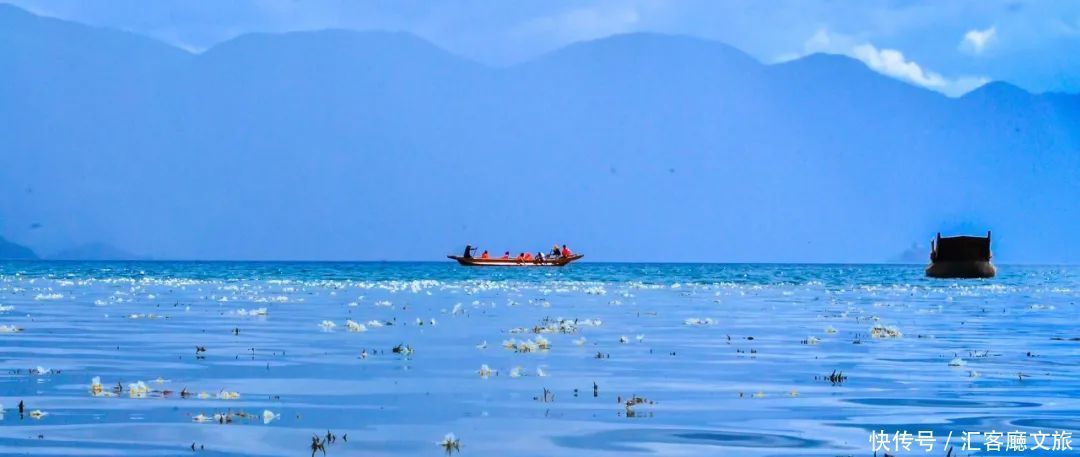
x=506 y=255
x=485 y=255
x=528 y=257
x=520 y=257
x=566 y=251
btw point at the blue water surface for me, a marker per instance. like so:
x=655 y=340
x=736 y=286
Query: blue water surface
x=721 y=359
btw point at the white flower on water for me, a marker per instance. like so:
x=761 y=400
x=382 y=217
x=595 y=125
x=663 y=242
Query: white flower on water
x=457 y=310
x=434 y=322
x=527 y=346
x=516 y=372
x=41 y=371
x=226 y=395
x=510 y=343
x=811 y=340
x=624 y=339
x=269 y=416
x=830 y=330
x=957 y=362
x=354 y=326
x=881 y=331
x=486 y=371
x=696 y=321
x=374 y=323
x=542 y=343
x=385 y=303
x=4 y=308
x=540 y=372
x=640 y=338
x=95 y=386
x=327 y=325
x=38 y=414
x=201 y=418
x=9 y=329
x=482 y=345
x=449 y=442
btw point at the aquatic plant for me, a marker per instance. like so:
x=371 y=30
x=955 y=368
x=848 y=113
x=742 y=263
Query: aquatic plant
x=269 y=416
x=450 y=443
x=327 y=325
x=354 y=326
x=486 y=371
x=882 y=331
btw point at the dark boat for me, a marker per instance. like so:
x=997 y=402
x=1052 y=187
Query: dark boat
x=478 y=262
x=960 y=257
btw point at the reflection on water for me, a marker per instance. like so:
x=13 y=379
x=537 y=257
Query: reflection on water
x=388 y=358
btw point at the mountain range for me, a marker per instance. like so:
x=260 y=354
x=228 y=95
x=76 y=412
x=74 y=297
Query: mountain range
x=377 y=145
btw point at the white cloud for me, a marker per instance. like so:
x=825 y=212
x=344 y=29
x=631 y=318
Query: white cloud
x=890 y=62
x=975 y=41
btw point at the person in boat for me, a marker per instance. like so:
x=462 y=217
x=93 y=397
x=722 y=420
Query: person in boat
x=468 y=251
x=506 y=255
x=520 y=257
x=485 y=255
x=527 y=257
x=540 y=257
x=555 y=252
x=566 y=251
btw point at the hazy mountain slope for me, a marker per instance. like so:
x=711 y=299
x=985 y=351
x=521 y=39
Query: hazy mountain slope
x=346 y=145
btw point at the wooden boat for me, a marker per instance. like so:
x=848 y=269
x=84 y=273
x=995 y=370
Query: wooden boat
x=478 y=262
x=960 y=257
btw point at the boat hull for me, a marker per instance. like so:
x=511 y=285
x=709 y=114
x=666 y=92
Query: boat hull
x=961 y=269
x=477 y=262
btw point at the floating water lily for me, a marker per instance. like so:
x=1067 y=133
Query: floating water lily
x=374 y=324
x=37 y=414
x=354 y=326
x=482 y=345
x=542 y=343
x=516 y=372
x=9 y=329
x=624 y=339
x=881 y=331
x=328 y=325
x=226 y=395
x=202 y=418
x=540 y=372
x=696 y=321
x=41 y=371
x=138 y=390
x=450 y=443
x=486 y=371
x=957 y=362
x=269 y=416
x=830 y=330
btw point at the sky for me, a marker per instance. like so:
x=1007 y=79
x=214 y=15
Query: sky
x=951 y=47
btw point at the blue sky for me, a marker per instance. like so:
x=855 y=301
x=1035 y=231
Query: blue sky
x=950 y=47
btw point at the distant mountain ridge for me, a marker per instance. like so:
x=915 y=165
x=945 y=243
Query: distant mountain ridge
x=366 y=145
x=12 y=251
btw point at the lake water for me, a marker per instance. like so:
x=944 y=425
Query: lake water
x=725 y=359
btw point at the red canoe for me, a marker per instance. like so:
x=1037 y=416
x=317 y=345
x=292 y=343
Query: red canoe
x=478 y=262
